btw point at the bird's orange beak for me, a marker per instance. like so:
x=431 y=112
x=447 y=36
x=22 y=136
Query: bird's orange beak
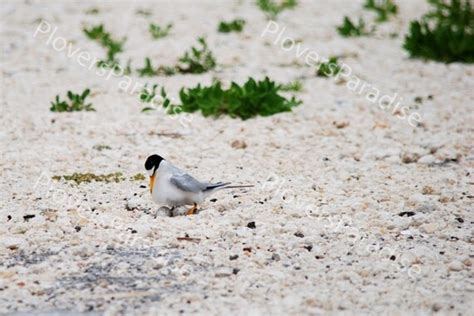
x=152 y=183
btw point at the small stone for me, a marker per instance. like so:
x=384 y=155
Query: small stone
x=247 y=249
x=299 y=234
x=428 y=159
x=276 y=257
x=429 y=228
x=238 y=144
x=448 y=155
x=467 y=262
x=12 y=243
x=427 y=190
x=27 y=217
x=410 y=157
x=455 y=266
x=132 y=204
x=407 y=214
x=340 y=124
x=251 y=225
x=445 y=199
x=436 y=307
x=234 y=257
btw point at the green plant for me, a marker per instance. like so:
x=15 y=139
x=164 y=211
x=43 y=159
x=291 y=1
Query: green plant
x=158 y=32
x=147 y=70
x=128 y=68
x=383 y=8
x=236 y=25
x=149 y=96
x=146 y=95
x=167 y=70
x=272 y=8
x=197 y=60
x=348 y=28
x=98 y=33
x=329 y=68
x=252 y=99
x=445 y=34
x=194 y=61
x=295 y=86
x=76 y=103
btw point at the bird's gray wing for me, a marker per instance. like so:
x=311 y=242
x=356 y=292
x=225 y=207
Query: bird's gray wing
x=187 y=183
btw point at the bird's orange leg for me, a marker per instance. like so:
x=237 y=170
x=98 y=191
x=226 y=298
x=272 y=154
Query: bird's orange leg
x=192 y=210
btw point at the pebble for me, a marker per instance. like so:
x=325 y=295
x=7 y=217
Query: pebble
x=132 y=203
x=276 y=257
x=428 y=159
x=429 y=228
x=238 y=144
x=410 y=157
x=455 y=265
x=12 y=243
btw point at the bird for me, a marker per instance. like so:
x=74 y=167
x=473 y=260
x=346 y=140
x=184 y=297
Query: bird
x=173 y=187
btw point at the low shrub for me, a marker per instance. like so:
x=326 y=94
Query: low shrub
x=232 y=26
x=251 y=99
x=445 y=34
x=76 y=103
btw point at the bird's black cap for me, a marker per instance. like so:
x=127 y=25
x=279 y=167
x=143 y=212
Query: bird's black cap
x=153 y=162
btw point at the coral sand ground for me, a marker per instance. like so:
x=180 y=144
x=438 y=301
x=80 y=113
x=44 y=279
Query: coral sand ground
x=353 y=209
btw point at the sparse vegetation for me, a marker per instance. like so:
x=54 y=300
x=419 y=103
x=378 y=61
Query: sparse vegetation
x=272 y=8
x=98 y=33
x=92 y=11
x=137 y=177
x=252 y=99
x=148 y=95
x=236 y=25
x=79 y=178
x=144 y=12
x=101 y=147
x=329 y=68
x=147 y=70
x=197 y=60
x=76 y=103
x=383 y=8
x=445 y=34
x=348 y=28
x=295 y=86
x=158 y=32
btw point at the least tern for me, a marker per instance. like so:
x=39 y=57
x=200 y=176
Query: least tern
x=173 y=187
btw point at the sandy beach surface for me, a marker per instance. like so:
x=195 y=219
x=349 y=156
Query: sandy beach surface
x=354 y=210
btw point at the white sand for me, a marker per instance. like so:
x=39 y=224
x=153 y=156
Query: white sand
x=326 y=206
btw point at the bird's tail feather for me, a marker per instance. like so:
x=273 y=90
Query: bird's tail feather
x=239 y=186
x=222 y=185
